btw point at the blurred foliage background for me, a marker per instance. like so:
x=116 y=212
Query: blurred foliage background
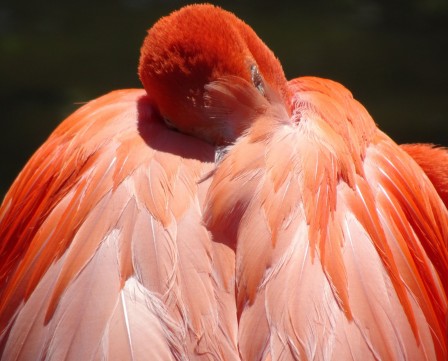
x=57 y=55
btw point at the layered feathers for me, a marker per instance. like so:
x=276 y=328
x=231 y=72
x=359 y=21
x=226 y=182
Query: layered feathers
x=341 y=241
x=308 y=234
x=119 y=249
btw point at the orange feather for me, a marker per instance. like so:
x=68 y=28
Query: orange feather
x=434 y=161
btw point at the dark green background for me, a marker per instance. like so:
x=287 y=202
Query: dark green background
x=53 y=56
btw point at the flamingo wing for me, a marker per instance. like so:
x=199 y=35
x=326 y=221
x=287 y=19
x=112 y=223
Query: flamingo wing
x=340 y=238
x=103 y=253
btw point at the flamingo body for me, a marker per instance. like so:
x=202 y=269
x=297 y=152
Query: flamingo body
x=249 y=218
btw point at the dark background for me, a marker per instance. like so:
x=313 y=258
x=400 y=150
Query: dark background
x=55 y=56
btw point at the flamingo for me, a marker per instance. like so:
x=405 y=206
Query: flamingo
x=224 y=213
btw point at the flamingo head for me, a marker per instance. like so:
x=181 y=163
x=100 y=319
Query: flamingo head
x=187 y=52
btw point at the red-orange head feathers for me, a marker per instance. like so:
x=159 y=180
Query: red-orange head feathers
x=193 y=47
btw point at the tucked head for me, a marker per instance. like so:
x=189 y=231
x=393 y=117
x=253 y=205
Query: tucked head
x=193 y=47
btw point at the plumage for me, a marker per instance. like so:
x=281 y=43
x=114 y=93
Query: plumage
x=341 y=256
x=116 y=252
x=223 y=213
